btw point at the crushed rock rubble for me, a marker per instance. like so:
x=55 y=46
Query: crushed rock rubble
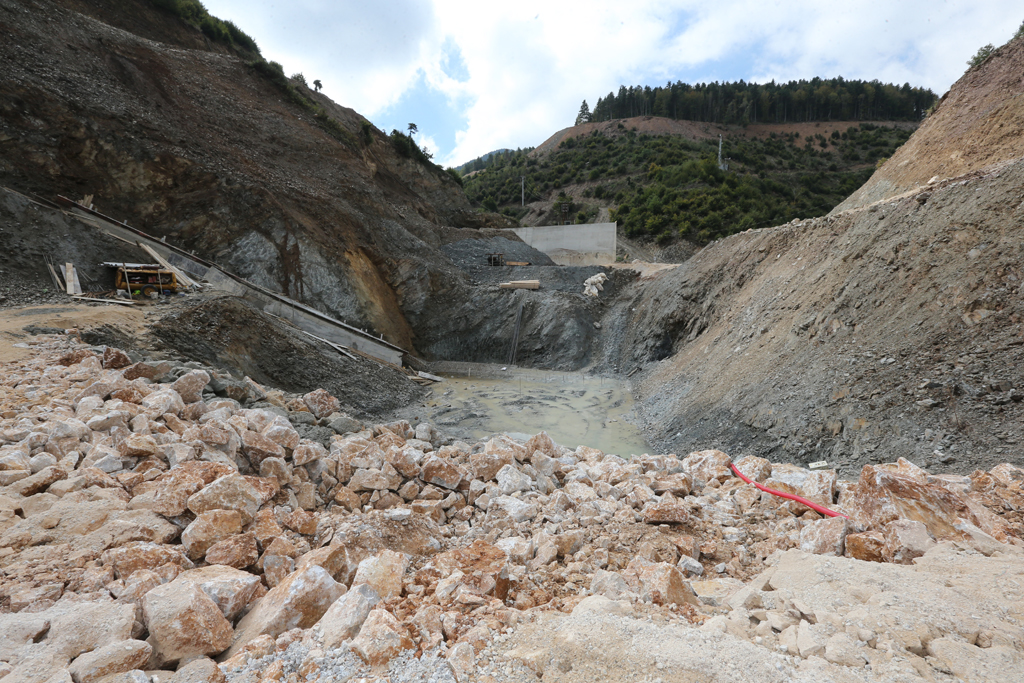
x=154 y=532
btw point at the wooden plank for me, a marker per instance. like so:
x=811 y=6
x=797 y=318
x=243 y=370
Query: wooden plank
x=60 y=277
x=104 y=301
x=127 y=285
x=520 y=285
x=77 y=284
x=184 y=279
x=337 y=347
x=144 y=266
x=69 y=280
x=517 y=263
x=108 y=234
x=53 y=275
x=432 y=378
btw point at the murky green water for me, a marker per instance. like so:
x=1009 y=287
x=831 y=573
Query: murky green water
x=572 y=408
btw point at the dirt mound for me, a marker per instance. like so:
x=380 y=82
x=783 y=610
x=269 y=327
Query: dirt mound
x=977 y=124
x=227 y=332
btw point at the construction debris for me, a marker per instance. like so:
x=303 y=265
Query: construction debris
x=594 y=284
x=71 y=279
x=90 y=296
x=149 y=524
x=520 y=284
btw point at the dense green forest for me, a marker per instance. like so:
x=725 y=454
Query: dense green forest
x=818 y=99
x=670 y=187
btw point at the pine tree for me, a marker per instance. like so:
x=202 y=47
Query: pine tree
x=584 y=115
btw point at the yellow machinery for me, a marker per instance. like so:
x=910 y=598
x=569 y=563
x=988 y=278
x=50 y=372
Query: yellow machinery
x=146 y=280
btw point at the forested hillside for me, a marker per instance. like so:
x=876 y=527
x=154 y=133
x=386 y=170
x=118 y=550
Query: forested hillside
x=671 y=187
x=818 y=99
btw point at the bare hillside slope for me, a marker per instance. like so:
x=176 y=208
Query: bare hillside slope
x=122 y=101
x=877 y=332
x=978 y=123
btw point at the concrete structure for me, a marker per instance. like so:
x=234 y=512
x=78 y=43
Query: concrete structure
x=302 y=316
x=586 y=244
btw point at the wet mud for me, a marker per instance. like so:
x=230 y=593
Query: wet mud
x=575 y=409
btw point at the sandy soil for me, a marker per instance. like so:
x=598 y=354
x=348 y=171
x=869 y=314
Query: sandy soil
x=14 y=339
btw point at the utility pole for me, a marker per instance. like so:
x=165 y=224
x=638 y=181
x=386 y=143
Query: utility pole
x=522 y=189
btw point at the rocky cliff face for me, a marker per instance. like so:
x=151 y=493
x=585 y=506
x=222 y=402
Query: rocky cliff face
x=188 y=142
x=890 y=327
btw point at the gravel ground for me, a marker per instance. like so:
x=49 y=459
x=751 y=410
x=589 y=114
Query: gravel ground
x=473 y=252
x=341 y=664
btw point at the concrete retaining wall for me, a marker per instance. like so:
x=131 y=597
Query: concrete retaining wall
x=587 y=244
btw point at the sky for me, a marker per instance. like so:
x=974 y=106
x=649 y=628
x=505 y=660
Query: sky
x=479 y=76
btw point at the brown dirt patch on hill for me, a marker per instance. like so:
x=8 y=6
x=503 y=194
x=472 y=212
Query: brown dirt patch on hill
x=701 y=130
x=979 y=123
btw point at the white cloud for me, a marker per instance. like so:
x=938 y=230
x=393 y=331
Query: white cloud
x=528 y=65
x=366 y=54
x=427 y=142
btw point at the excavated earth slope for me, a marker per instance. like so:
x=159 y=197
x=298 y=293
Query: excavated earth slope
x=885 y=329
x=978 y=124
x=188 y=142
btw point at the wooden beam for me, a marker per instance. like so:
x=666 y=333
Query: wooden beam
x=520 y=284
x=127 y=285
x=104 y=301
x=69 y=280
x=53 y=275
x=185 y=279
x=427 y=375
x=74 y=275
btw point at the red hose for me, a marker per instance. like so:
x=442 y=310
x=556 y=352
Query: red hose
x=803 y=501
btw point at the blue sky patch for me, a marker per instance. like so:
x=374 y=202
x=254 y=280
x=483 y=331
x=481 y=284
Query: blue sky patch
x=436 y=116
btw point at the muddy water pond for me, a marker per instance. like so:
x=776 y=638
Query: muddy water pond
x=476 y=401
